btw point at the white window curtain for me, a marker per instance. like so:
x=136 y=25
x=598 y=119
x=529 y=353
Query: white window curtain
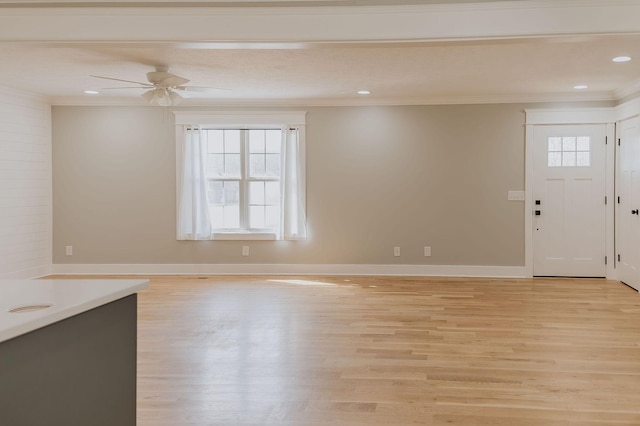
x=194 y=221
x=293 y=221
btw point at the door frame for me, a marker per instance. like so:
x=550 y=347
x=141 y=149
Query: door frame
x=571 y=116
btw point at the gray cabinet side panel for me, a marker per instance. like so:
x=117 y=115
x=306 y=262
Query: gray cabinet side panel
x=78 y=371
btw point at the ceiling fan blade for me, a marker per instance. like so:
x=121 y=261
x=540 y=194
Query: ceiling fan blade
x=173 y=81
x=124 y=87
x=125 y=81
x=200 y=89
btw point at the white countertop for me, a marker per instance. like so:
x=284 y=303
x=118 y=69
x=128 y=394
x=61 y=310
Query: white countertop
x=66 y=297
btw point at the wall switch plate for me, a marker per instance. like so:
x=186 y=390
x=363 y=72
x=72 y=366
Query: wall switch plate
x=515 y=195
x=68 y=250
x=245 y=250
x=427 y=251
x=396 y=251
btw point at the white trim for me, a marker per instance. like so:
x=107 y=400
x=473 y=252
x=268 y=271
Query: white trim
x=244 y=236
x=240 y=118
x=628 y=110
x=528 y=200
x=291 y=269
x=610 y=193
x=570 y=116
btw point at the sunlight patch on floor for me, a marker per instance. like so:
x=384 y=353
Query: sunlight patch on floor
x=305 y=282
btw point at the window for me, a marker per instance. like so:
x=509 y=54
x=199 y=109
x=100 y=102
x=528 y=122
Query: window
x=243 y=179
x=569 y=151
x=240 y=176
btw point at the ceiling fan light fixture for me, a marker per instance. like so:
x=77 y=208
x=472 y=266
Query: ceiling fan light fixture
x=174 y=97
x=161 y=97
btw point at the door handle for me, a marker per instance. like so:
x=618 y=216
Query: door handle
x=537 y=212
x=636 y=212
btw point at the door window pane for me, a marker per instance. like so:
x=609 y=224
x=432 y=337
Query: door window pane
x=584 y=143
x=555 y=144
x=569 y=151
x=583 y=159
x=568 y=159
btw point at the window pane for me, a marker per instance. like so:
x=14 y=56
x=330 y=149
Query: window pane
x=584 y=159
x=569 y=143
x=232 y=193
x=232 y=217
x=584 y=143
x=216 y=193
x=555 y=159
x=555 y=144
x=232 y=141
x=215 y=164
x=256 y=141
x=256 y=217
x=272 y=216
x=273 y=164
x=232 y=164
x=215 y=141
x=272 y=193
x=256 y=193
x=217 y=216
x=274 y=141
x=568 y=159
x=257 y=166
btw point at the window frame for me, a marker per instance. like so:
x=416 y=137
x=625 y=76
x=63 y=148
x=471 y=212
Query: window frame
x=251 y=120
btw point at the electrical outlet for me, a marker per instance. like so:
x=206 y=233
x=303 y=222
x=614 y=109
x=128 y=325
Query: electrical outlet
x=427 y=251
x=245 y=250
x=68 y=250
x=396 y=251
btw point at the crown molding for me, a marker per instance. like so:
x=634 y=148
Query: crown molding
x=359 y=101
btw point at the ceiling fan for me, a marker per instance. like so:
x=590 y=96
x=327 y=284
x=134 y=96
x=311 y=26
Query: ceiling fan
x=162 y=87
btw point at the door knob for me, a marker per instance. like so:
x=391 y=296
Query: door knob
x=635 y=212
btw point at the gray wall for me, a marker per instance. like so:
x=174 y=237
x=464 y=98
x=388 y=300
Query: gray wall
x=377 y=177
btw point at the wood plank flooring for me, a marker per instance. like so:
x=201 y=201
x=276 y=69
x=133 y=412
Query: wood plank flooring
x=314 y=351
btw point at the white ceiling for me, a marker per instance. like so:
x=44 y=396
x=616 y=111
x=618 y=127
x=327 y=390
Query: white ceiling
x=305 y=53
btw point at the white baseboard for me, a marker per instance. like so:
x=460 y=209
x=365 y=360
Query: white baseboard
x=291 y=269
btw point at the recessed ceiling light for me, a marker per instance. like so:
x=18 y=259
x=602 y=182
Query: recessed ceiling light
x=621 y=59
x=364 y=92
x=581 y=87
x=91 y=92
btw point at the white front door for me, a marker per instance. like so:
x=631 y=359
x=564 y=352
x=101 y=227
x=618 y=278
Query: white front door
x=628 y=217
x=569 y=223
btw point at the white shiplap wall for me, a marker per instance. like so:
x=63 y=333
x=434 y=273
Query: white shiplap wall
x=25 y=185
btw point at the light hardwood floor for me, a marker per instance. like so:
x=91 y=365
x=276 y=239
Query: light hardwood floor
x=388 y=351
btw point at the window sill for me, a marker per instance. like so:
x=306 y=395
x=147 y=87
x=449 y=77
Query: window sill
x=243 y=236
